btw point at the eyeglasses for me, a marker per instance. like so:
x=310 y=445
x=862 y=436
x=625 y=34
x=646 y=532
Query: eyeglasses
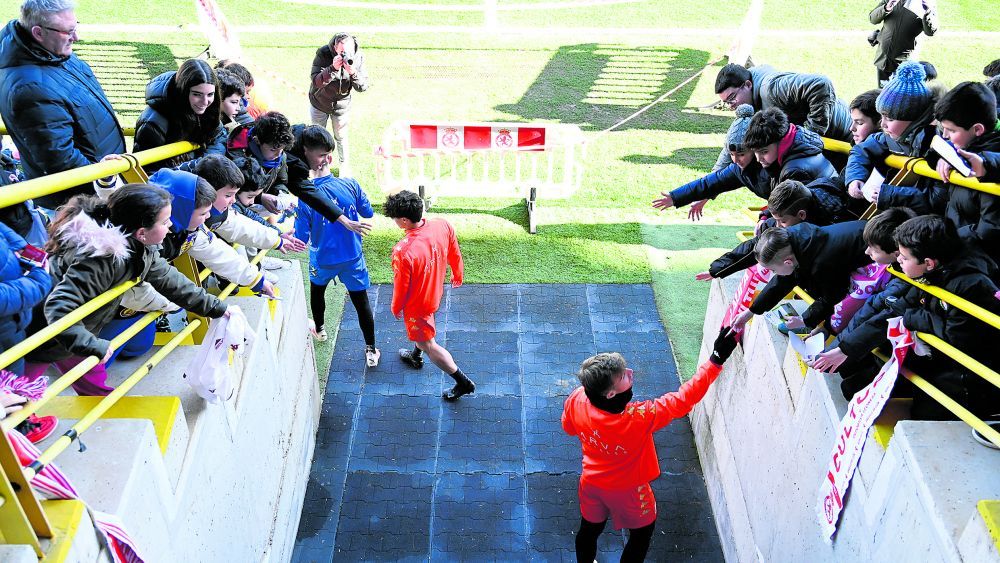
x=732 y=97
x=69 y=33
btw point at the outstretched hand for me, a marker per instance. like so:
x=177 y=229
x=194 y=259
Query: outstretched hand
x=355 y=226
x=724 y=345
x=695 y=213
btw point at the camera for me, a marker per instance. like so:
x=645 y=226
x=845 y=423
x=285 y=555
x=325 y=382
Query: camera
x=873 y=38
x=347 y=58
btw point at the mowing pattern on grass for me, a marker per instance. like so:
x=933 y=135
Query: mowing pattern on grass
x=400 y=475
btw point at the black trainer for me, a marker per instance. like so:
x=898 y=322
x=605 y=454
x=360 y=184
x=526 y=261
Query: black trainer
x=415 y=362
x=463 y=388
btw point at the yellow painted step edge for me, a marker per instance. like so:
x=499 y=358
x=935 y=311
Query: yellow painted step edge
x=65 y=517
x=990 y=511
x=161 y=411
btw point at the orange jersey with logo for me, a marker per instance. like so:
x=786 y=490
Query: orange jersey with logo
x=419 y=263
x=618 y=450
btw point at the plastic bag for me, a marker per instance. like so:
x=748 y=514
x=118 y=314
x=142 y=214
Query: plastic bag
x=209 y=372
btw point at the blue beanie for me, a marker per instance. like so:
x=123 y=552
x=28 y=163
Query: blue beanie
x=905 y=97
x=738 y=130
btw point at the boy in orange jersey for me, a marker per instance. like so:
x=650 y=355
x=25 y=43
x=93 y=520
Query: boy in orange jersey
x=419 y=262
x=619 y=458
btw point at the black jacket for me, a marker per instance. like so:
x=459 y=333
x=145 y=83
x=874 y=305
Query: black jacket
x=826 y=257
x=828 y=206
x=55 y=110
x=970 y=276
x=867 y=328
x=898 y=36
x=157 y=125
x=976 y=213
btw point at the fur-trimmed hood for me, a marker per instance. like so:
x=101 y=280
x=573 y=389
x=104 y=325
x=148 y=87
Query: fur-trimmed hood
x=88 y=239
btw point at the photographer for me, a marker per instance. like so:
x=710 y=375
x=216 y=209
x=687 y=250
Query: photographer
x=337 y=69
x=900 y=27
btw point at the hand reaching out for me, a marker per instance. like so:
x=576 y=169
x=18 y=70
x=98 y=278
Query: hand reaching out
x=695 y=213
x=291 y=244
x=664 y=202
x=354 y=226
x=703 y=276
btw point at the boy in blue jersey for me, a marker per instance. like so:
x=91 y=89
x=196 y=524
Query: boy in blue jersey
x=334 y=251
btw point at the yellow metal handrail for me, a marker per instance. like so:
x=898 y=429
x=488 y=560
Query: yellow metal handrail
x=38 y=187
x=128 y=131
x=131 y=381
x=965 y=305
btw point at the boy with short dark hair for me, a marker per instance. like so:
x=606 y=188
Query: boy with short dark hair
x=616 y=435
x=849 y=354
x=865 y=117
x=930 y=250
x=234 y=114
x=967 y=117
x=419 y=263
x=820 y=260
x=820 y=203
x=785 y=150
x=907 y=109
x=335 y=252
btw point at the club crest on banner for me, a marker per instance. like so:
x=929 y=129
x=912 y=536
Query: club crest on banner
x=450 y=138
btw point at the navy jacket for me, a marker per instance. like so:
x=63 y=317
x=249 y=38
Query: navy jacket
x=54 y=109
x=157 y=126
x=19 y=292
x=730 y=178
x=976 y=213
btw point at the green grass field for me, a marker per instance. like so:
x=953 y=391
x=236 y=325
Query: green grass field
x=558 y=71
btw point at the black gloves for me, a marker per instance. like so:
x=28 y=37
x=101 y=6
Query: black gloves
x=724 y=345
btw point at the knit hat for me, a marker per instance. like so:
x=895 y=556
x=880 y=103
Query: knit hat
x=738 y=130
x=905 y=97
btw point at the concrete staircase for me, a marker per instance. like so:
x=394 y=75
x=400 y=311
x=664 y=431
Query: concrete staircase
x=219 y=482
x=764 y=434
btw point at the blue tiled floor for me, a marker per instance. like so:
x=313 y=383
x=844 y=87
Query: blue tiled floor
x=400 y=475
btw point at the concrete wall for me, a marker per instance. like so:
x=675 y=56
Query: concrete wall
x=764 y=434
x=231 y=484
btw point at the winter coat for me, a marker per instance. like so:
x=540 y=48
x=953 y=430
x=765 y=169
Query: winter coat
x=92 y=259
x=927 y=195
x=800 y=157
x=292 y=175
x=807 y=99
x=54 y=109
x=19 y=292
x=828 y=206
x=17 y=216
x=976 y=213
x=867 y=328
x=826 y=256
x=330 y=91
x=730 y=178
x=332 y=243
x=991 y=161
x=158 y=125
x=898 y=36
x=969 y=275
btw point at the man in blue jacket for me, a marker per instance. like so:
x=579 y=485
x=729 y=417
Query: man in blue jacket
x=54 y=108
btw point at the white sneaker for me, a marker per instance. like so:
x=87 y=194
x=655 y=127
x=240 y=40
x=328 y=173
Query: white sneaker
x=269 y=263
x=320 y=335
x=372 y=356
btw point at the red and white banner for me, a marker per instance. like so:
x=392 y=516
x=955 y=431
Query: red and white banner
x=221 y=38
x=475 y=137
x=862 y=411
x=754 y=279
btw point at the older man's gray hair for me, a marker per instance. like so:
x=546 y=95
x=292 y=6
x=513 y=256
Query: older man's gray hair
x=39 y=12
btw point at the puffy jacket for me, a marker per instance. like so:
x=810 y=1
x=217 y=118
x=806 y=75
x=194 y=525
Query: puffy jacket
x=927 y=195
x=292 y=175
x=55 y=110
x=332 y=243
x=157 y=126
x=969 y=275
x=828 y=206
x=802 y=160
x=93 y=259
x=976 y=213
x=826 y=257
x=19 y=292
x=807 y=99
x=867 y=328
x=329 y=91
x=730 y=178
x=991 y=160
x=17 y=216
x=898 y=36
